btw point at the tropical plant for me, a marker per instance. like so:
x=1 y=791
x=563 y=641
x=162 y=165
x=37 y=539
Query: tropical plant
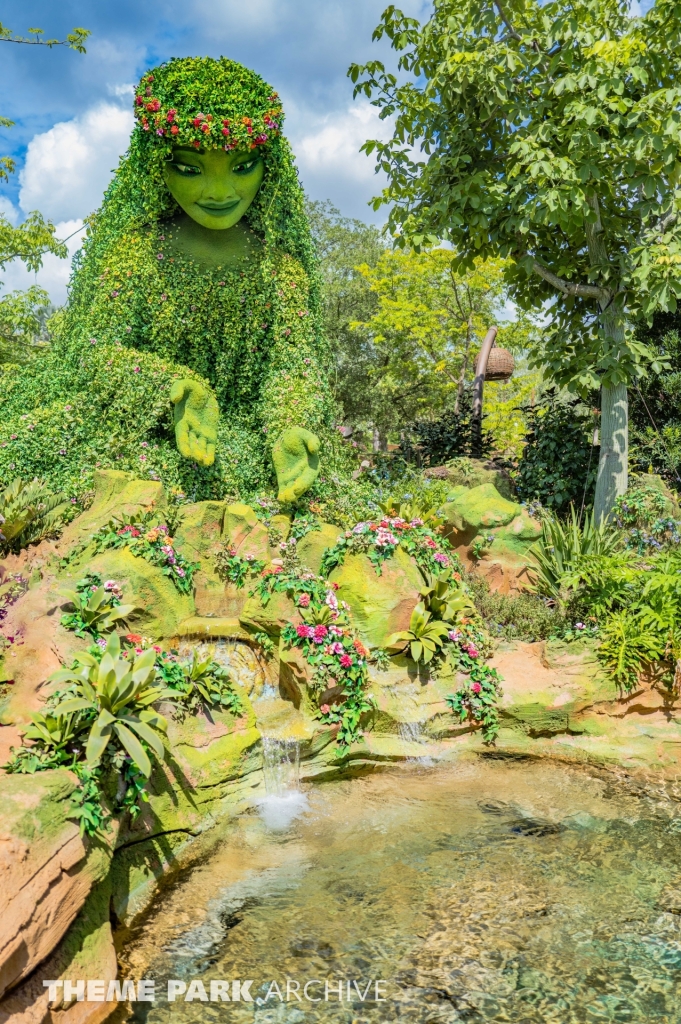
x=561 y=545
x=424 y=638
x=645 y=513
x=29 y=512
x=147 y=537
x=444 y=599
x=627 y=646
x=118 y=692
x=97 y=607
x=205 y=684
x=412 y=509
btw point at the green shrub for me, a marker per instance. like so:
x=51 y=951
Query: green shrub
x=559 y=463
x=29 y=512
x=644 y=513
x=523 y=616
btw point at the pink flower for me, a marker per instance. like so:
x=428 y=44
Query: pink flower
x=454 y=634
x=331 y=601
x=442 y=559
x=472 y=651
x=476 y=687
x=430 y=543
x=346 y=661
x=337 y=648
x=384 y=538
x=305 y=632
x=325 y=709
x=135 y=369
x=319 y=634
x=304 y=600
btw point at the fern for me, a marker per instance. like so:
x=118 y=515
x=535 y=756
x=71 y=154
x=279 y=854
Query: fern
x=29 y=512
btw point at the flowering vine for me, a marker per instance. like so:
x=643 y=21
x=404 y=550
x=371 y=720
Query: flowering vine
x=380 y=539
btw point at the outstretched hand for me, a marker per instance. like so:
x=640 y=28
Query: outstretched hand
x=196 y=420
x=296 y=461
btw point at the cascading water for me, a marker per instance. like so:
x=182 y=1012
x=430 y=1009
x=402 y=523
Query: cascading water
x=284 y=801
x=281 y=765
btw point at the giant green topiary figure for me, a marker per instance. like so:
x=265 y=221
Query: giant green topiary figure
x=190 y=348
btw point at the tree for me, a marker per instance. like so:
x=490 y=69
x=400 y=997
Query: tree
x=23 y=317
x=427 y=327
x=35 y=237
x=343 y=244
x=546 y=133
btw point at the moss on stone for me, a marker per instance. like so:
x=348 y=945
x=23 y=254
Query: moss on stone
x=380 y=605
x=477 y=507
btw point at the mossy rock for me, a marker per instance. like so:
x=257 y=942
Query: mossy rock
x=479 y=507
x=312 y=546
x=117 y=494
x=161 y=607
x=199 y=533
x=270 y=618
x=380 y=605
x=512 y=543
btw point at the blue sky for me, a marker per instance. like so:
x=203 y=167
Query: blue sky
x=73 y=117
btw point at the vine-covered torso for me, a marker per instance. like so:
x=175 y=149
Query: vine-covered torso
x=101 y=397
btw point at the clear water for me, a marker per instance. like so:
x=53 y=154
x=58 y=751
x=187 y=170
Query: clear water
x=484 y=891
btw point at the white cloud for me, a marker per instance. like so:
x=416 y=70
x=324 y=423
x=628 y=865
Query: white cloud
x=68 y=167
x=8 y=210
x=54 y=274
x=334 y=146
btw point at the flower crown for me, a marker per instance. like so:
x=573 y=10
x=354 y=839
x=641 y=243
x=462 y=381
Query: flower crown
x=192 y=128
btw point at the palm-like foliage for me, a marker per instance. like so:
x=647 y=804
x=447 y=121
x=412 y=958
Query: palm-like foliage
x=423 y=638
x=29 y=512
x=208 y=683
x=562 y=545
x=119 y=691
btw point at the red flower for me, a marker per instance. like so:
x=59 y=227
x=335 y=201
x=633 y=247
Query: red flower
x=304 y=601
x=134 y=638
x=319 y=632
x=225 y=131
x=153 y=106
x=476 y=687
x=138 y=101
x=170 y=116
x=205 y=128
x=304 y=632
x=197 y=121
x=346 y=661
x=174 y=130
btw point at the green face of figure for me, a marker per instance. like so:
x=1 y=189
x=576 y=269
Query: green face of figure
x=214 y=188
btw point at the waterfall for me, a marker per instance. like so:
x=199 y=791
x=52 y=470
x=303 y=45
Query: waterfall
x=284 y=801
x=281 y=765
x=412 y=732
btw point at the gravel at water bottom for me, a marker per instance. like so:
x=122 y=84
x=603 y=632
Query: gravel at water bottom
x=484 y=891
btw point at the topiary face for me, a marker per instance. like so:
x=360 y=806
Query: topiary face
x=213 y=187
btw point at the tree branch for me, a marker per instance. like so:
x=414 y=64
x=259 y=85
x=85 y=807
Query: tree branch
x=582 y=291
x=509 y=27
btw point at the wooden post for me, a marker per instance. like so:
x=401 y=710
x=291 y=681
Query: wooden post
x=481 y=369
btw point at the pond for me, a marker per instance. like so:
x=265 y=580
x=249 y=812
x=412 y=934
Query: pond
x=486 y=890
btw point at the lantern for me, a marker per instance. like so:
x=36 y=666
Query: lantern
x=500 y=364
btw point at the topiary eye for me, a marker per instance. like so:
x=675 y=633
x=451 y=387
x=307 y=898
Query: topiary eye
x=246 y=166
x=188 y=170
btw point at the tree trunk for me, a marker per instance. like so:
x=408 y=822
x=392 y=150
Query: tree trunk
x=613 y=463
x=614 y=458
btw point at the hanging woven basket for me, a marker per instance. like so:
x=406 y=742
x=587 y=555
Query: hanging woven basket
x=500 y=364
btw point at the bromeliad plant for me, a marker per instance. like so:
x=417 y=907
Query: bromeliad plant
x=97 y=606
x=147 y=537
x=204 y=684
x=115 y=695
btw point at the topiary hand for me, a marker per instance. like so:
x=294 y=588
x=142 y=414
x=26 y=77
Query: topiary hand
x=296 y=461
x=196 y=420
